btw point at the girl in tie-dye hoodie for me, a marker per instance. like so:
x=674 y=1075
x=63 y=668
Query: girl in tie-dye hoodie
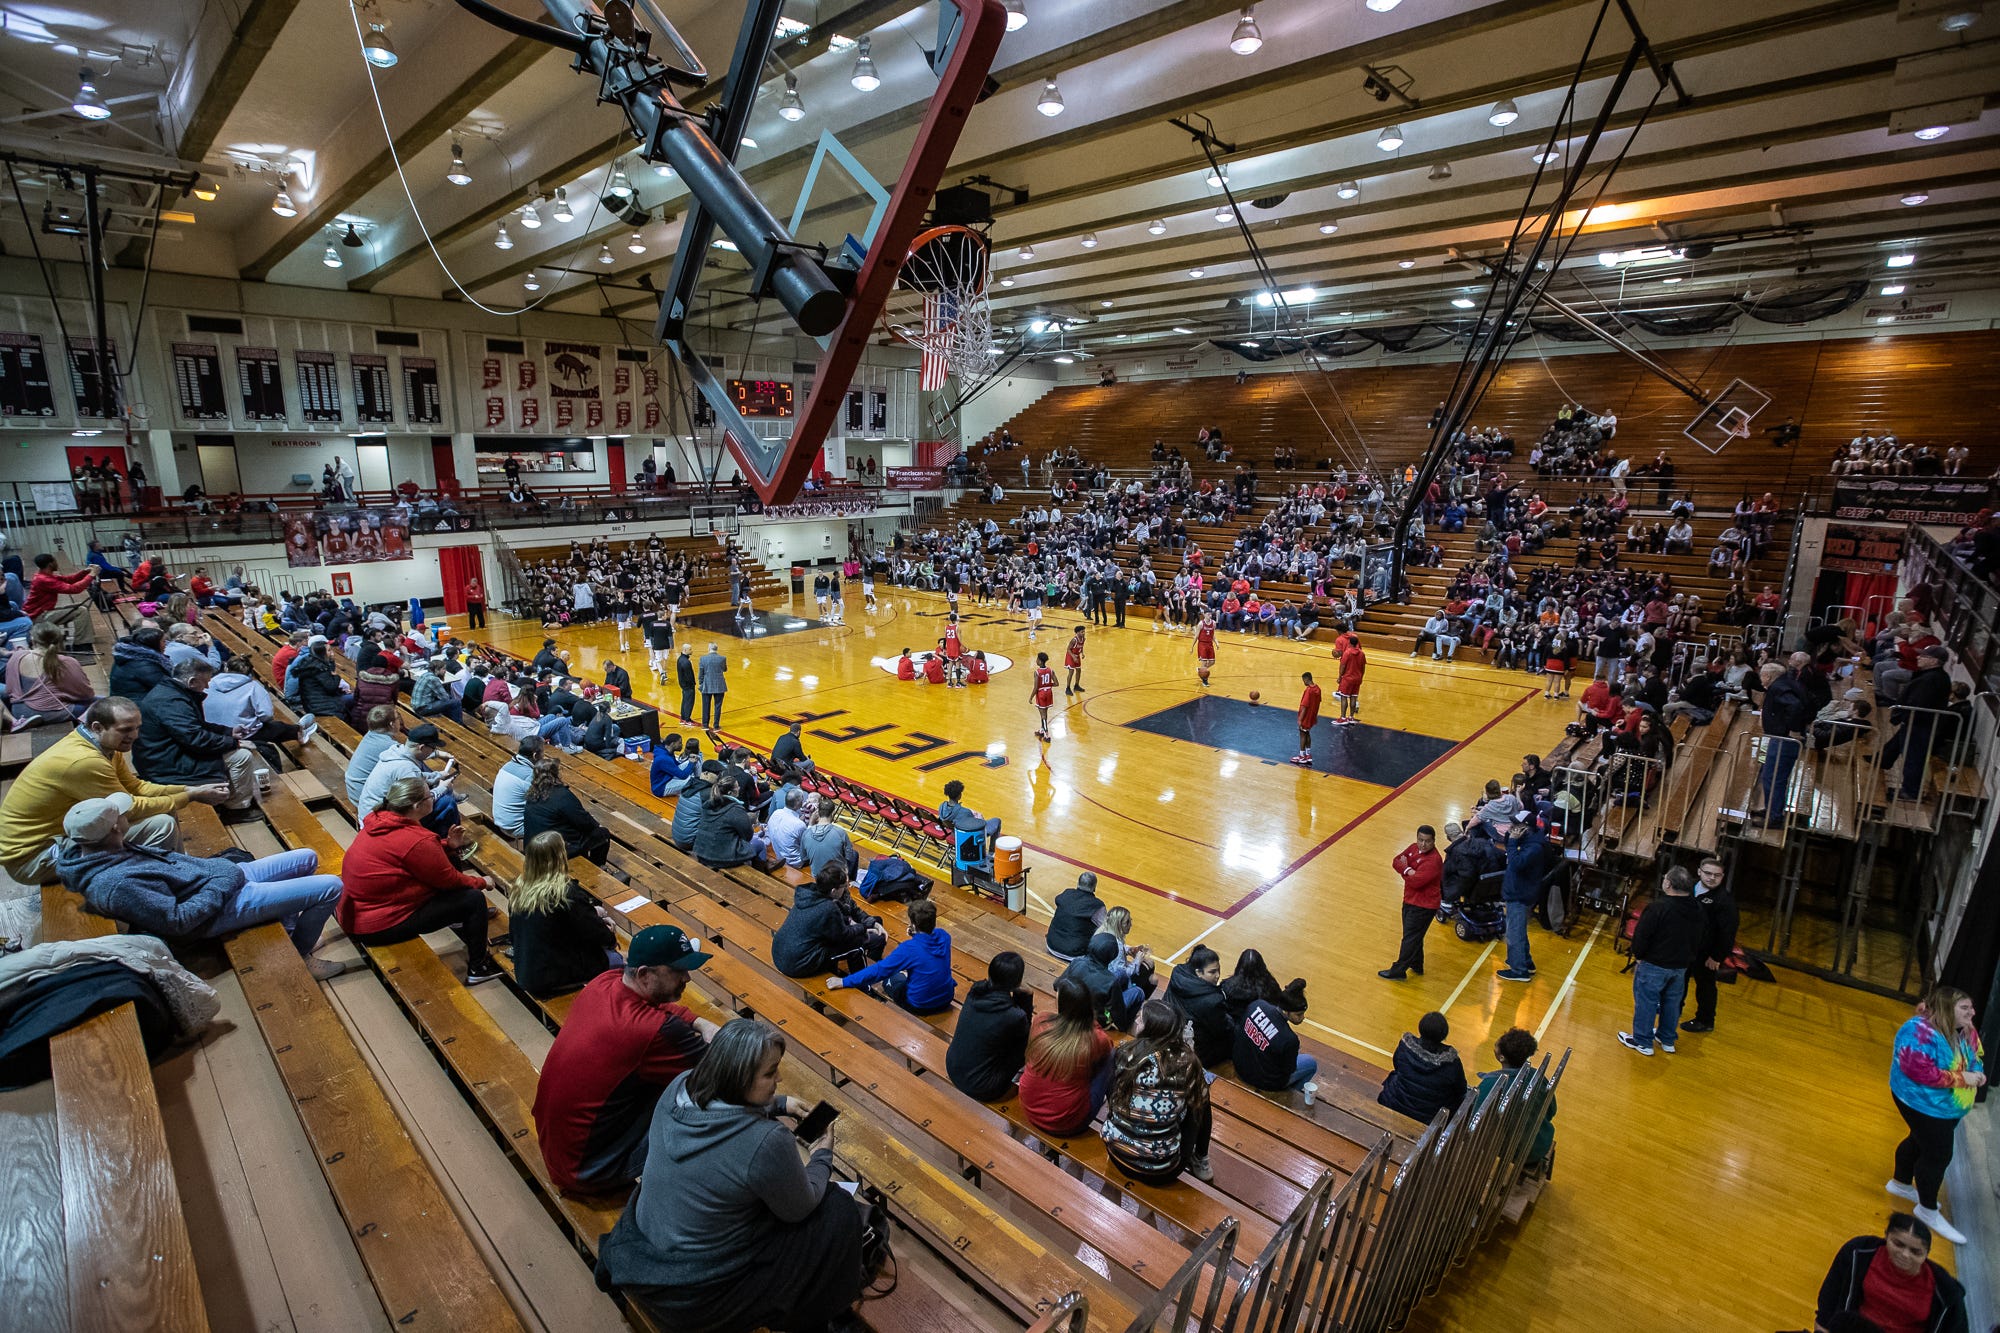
x=1937 y=1069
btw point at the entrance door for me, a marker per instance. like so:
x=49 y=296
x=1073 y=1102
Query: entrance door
x=373 y=463
x=218 y=468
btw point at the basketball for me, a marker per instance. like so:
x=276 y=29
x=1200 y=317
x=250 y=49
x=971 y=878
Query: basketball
x=1255 y=697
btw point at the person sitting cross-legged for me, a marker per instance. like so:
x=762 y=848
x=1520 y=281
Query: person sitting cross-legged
x=412 y=759
x=917 y=972
x=180 y=897
x=401 y=879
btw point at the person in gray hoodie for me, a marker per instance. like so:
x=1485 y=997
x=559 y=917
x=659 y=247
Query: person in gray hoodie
x=729 y=1230
x=236 y=698
x=691 y=806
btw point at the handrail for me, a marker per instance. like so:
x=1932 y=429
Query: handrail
x=1071 y=1314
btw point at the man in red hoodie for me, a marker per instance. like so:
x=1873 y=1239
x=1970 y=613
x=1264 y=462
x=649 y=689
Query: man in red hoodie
x=1422 y=870
x=47 y=585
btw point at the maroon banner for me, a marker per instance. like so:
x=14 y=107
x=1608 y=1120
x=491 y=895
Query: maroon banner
x=1858 y=550
x=913 y=478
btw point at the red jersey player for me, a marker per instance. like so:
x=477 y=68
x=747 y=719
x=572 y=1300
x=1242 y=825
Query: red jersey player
x=1204 y=647
x=1353 y=664
x=1044 y=693
x=1308 y=716
x=952 y=647
x=1073 y=664
x=976 y=672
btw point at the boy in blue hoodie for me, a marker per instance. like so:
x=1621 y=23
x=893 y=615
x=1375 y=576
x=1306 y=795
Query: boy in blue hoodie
x=917 y=971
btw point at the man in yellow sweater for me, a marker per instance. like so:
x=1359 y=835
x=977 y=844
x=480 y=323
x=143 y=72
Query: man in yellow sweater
x=90 y=761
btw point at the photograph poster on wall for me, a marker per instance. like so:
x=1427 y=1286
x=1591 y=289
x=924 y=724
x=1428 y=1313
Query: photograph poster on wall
x=24 y=377
x=350 y=537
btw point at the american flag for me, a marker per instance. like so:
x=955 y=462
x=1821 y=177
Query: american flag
x=940 y=311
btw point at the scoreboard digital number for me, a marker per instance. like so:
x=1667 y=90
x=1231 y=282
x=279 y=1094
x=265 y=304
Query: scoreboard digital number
x=762 y=398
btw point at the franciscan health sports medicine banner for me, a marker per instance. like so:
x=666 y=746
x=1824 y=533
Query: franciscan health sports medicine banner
x=913 y=478
x=1948 y=500
x=351 y=537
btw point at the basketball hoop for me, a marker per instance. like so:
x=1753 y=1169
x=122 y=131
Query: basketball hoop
x=939 y=306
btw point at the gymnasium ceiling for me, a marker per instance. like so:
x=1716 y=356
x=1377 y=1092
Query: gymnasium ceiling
x=1793 y=165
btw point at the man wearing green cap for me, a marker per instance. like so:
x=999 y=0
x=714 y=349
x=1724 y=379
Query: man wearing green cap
x=625 y=1040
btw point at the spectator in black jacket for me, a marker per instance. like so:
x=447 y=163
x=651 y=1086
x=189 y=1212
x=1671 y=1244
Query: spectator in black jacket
x=1113 y=998
x=1195 y=989
x=313 y=683
x=1719 y=919
x=1700 y=695
x=601 y=736
x=1078 y=912
x=1665 y=944
x=826 y=930
x=1787 y=713
x=553 y=807
x=561 y=941
x=990 y=1044
x=1869 y=1269
x=1427 y=1075
x=788 y=754
x=1266 y=1050
x=1250 y=982
x=1469 y=857
x=1917 y=734
x=178 y=746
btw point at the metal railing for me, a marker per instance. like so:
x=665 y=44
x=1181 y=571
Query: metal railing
x=1071 y=1314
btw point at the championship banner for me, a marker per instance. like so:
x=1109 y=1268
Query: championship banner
x=574 y=369
x=1855 y=550
x=1949 y=501
x=913 y=478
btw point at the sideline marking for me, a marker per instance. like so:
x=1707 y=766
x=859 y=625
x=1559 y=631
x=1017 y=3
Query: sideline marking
x=1336 y=1032
x=1477 y=965
x=1196 y=940
x=1569 y=980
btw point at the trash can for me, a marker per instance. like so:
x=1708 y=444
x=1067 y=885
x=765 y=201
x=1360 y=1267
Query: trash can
x=798 y=579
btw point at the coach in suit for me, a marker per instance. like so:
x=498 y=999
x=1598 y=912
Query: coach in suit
x=710 y=674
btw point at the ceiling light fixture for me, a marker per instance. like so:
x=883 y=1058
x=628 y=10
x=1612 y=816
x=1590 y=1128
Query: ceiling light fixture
x=1930 y=132
x=205 y=190
x=1050 y=103
x=1406 y=263
x=604 y=254
x=1544 y=156
x=332 y=259
x=501 y=240
x=1463 y=302
x=1064 y=359
x=637 y=245
x=864 y=78
x=1089 y=241
x=1223 y=213
x=1383 y=6
x=562 y=212
x=662 y=169
x=1017 y=16
x=1913 y=199
x=1196 y=272
x=458 y=175
x=1248 y=39
x=1671 y=278
x=1006 y=282
x=1390 y=140
x=621 y=184
x=1503 y=114
x=1328 y=228
x=1900 y=261
x=376 y=46
x=531 y=282
x=789 y=106
x=282 y=205
x=748 y=142
x=1961 y=18
x=352 y=240
x=1182 y=328
x=1157 y=227
x=531 y=217
x=1218 y=176
x=88 y=103
x=1893 y=289
x=1347 y=189
x=1025 y=252
x=1441 y=171
x=1105 y=304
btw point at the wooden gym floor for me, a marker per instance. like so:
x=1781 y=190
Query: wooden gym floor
x=1705 y=1189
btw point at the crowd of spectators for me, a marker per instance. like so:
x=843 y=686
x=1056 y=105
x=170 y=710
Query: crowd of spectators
x=1871 y=455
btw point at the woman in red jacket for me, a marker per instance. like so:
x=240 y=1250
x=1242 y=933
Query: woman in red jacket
x=399 y=880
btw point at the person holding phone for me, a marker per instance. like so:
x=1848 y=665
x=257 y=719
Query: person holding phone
x=731 y=1228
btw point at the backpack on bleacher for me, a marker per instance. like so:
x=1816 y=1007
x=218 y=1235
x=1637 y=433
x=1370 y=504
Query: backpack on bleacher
x=890 y=879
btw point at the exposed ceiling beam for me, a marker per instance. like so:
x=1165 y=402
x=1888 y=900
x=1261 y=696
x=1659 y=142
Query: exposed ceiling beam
x=242 y=51
x=502 y=67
